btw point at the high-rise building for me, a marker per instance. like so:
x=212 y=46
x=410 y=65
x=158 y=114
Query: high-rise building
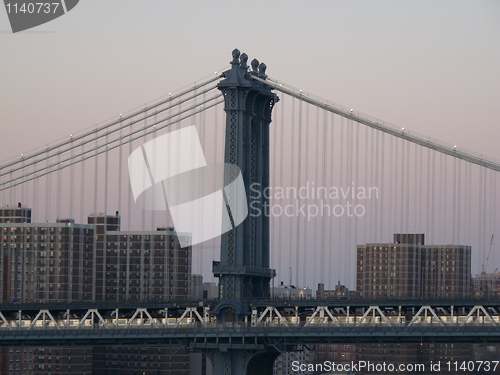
x=409 y=269
x=446 y=271
x=139 y=265
x=487 y=285
x=17 y=214
x=68 y=262
x=47 y=262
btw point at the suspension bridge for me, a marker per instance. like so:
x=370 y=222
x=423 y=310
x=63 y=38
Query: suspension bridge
x=320 y=179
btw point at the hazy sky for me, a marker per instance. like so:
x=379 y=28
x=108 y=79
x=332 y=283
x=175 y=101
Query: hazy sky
x=432 y=67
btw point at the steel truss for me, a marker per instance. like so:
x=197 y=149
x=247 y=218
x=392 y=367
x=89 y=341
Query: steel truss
x=302 y=322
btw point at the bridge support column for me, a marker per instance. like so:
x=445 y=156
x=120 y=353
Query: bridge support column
x=244 y=269
x=241 y=361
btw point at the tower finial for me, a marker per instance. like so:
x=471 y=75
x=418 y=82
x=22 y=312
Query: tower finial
x=255 y=65
x=236 y=55
x=244 y=59
x=262 y=70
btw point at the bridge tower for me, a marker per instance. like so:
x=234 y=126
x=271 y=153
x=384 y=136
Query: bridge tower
x=243 y=270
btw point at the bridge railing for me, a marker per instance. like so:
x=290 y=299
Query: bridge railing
x=271 y=316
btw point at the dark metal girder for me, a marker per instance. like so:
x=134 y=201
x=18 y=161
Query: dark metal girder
x=235 y=337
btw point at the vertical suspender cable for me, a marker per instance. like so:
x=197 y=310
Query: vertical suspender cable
x=199 y=128
x=395 y=200
x=459 y=203
x=480 y=232
x=484 y=194
x=58 y=191
x=96 y=179
x=494 y=206
x=292 y=181
x=349 y=161
x=433 y=188
x=380 y=189
x=350 y=183
x=414 y=182
x=408 y=185
x=120 y=171
x=96 y=172
x=308 y=200
x=35 y=194
x=129 y=189
x=143 y=212
x=205 y=142
x=119 y=274
x=273 y=233
x=2 y=193
x=455 y=203
x=352 y=275
x=342 y=235
x=299 y=181
x=153 y=136
x=444 y=215
x=82 y=189
x=22 y=178
x=47 y=194
x=466 y=222
x=332 y=173
x=11 y=190
x=428 y=195
x=493 y=202
x=201 y=247
x=324 y=220
x=402 y=205
x=166 y=218
x=274 y=181
x=218 y=133
x=392 y=190
x=167 y=213
x=373 y=151
x=419 y=183
x=441 y=197
x=468 y=205
x=347 y=184
x=106 y=176
x=319 y=182
x=375 y=182
x=71 y=194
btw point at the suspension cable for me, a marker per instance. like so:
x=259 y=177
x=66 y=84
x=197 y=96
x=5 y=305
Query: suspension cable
x=421 y=140
x=72 y=140
x=70 y=161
